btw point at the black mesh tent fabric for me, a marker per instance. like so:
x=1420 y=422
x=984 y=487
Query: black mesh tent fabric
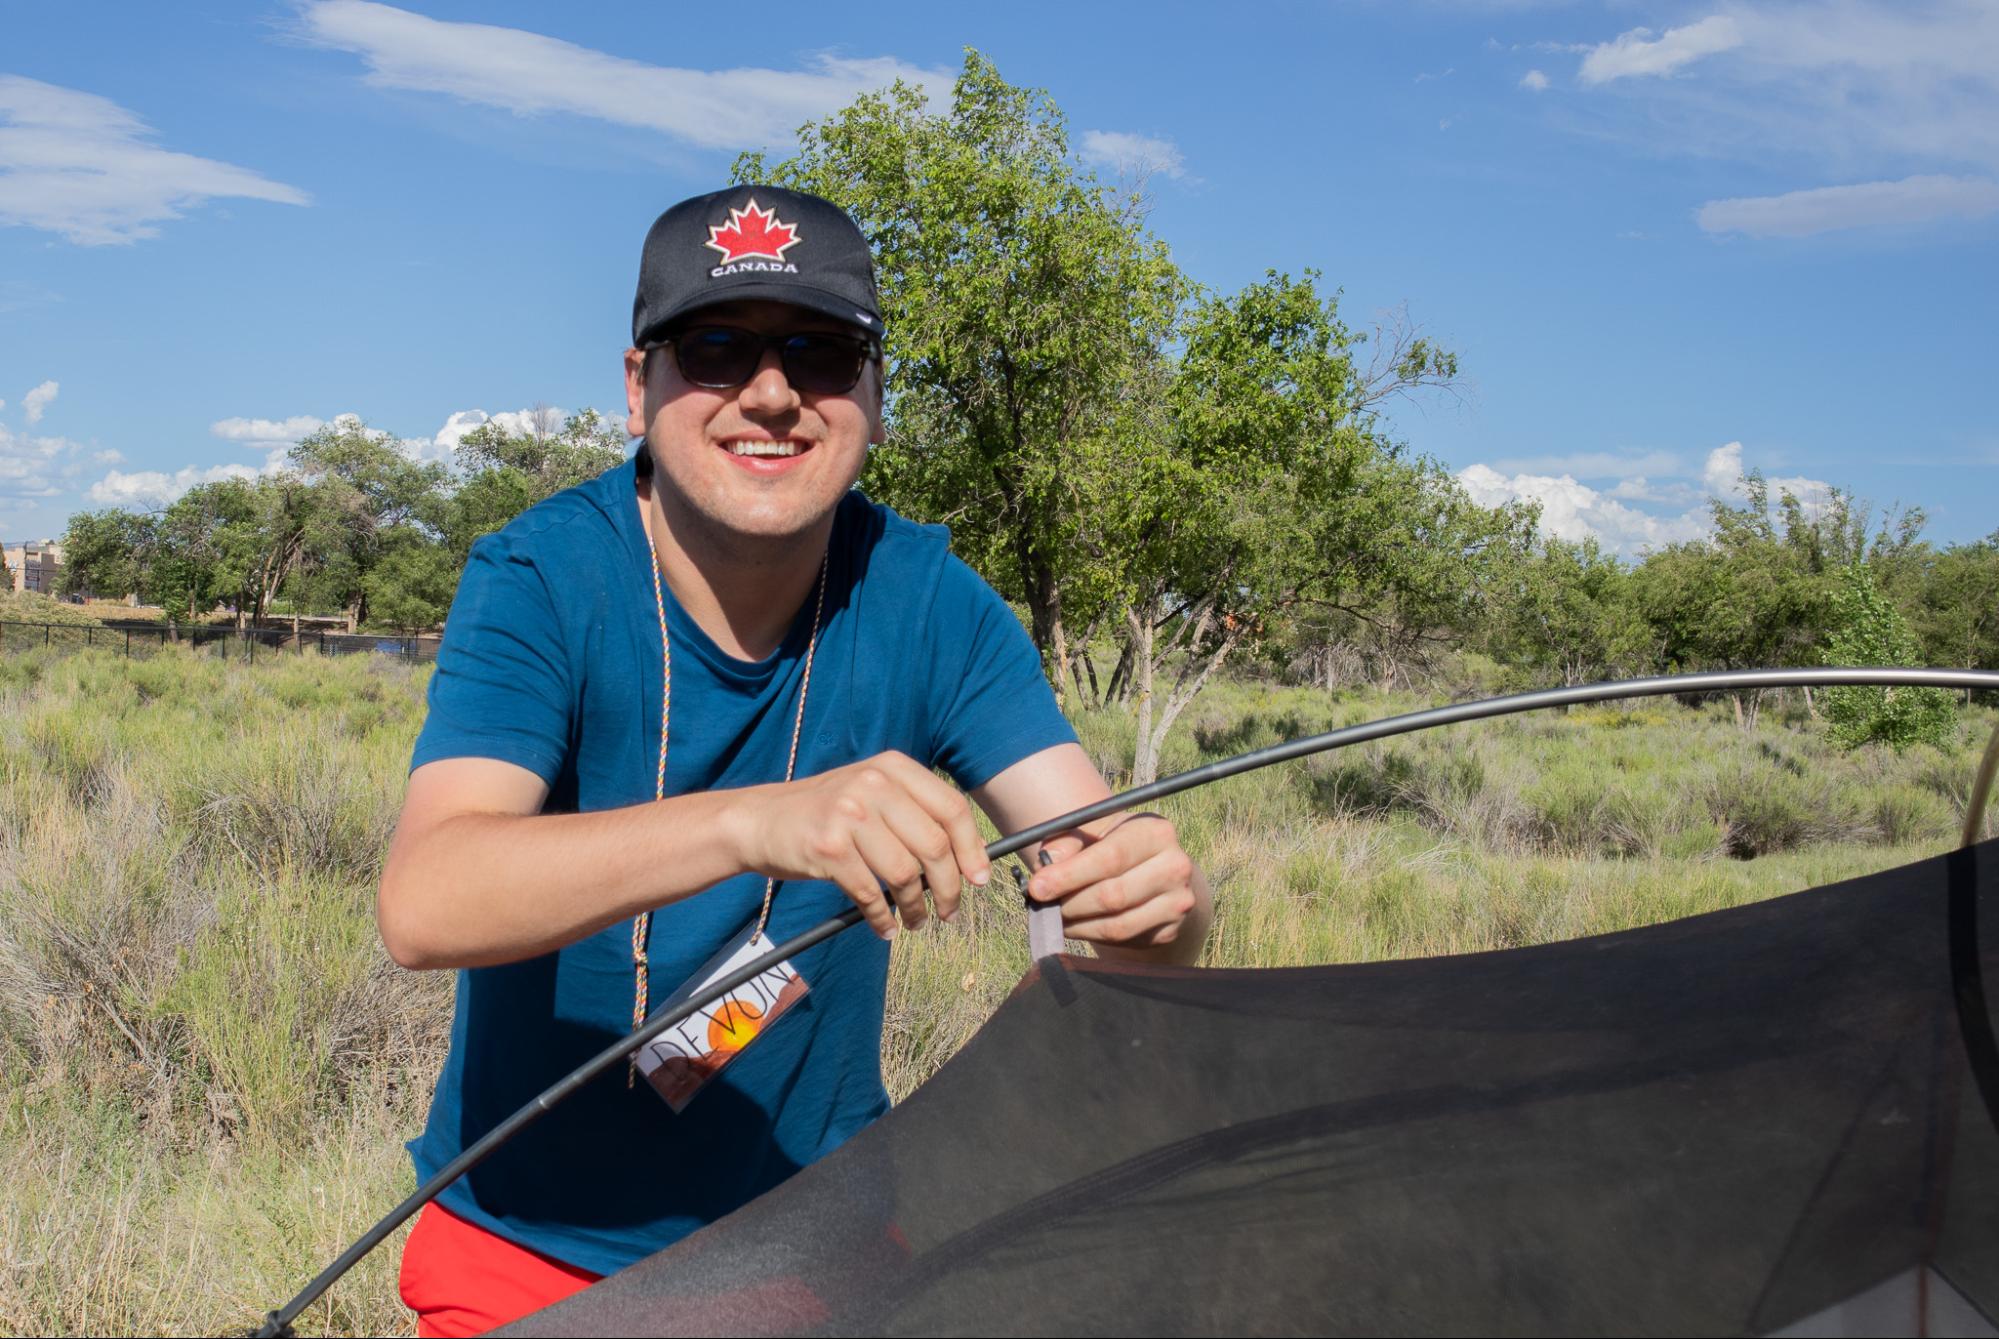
x=1762 y=1120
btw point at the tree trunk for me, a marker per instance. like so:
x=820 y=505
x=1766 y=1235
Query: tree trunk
x=1058 y=647
x=1185 y=690
x=1120 y=685
x=1145 y=761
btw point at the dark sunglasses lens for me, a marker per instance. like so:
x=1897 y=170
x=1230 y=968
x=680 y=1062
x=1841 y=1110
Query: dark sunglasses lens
x=718 y=357
x=822 y=364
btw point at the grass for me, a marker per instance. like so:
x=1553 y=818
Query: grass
x=211 y=1066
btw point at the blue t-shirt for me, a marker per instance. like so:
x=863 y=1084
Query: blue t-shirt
x=551 y=661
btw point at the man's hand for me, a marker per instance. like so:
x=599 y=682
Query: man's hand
x=1124 y=883
x=1131 y=888
x=885 y=820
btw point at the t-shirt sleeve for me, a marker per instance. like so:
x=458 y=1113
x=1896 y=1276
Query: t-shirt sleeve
x=502 y=685
x=993 y=705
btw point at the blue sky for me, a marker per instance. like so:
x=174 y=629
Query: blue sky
x=1669 y=241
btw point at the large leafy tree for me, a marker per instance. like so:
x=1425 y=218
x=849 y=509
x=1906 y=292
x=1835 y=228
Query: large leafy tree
x=1568 y=612
x=1754 y=593
x=107 y=553
x=368 y=497
x=507 y=469
x=1258 y=448
x=246 y=538
x=410 y=588
x=1023 y=301
x=1956 y=605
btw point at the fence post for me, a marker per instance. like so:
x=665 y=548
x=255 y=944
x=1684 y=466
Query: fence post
x=128 y=643
x=47 y=628
x=90 y=636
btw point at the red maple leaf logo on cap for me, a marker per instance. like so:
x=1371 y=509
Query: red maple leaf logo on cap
x=752 y=232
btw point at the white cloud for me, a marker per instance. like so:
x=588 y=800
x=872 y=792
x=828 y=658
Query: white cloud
x=1534 y=81
x=153 y=488
x=1913 y=200
x=1722 y=473
x=540 y=419
x=529 y=74
x=36 y=466
x=36 y=402
x=1671 y=493
x=1132 y=155
x=1574 y=511
x=1638 y=52
x=1868 y=88
x=265 y=433
x=80 y=165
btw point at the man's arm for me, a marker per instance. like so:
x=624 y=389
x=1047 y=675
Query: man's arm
x=478 y=875
x=1124 y=882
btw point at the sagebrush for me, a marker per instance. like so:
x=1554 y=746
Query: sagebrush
x=211 y=1065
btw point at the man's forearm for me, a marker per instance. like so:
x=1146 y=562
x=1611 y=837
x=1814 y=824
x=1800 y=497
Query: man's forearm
x=473 y=890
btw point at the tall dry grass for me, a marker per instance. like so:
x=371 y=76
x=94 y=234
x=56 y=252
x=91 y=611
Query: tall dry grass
x=210 y=1066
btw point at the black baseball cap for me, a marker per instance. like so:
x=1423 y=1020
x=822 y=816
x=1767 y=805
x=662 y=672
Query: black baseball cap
x=754 y=242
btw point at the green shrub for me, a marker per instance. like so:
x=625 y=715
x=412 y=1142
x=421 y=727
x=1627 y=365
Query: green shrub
x=1870 y=631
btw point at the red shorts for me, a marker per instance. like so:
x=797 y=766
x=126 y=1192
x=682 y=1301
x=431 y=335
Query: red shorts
x=461 y=1279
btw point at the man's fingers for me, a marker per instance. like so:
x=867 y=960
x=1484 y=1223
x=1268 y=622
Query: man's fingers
x=951 y=810
x=923 y=837
x=1061 y=847
x=1147 y=901
x=1077 y=866
x=863 y=889
x=895 y=866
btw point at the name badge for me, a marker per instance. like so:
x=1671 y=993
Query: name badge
x=680 y=1061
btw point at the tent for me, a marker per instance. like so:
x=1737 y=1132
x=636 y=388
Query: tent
x=1776 y=1119
x=1780 y=1119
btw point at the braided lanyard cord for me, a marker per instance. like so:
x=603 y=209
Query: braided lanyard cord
x=642 y=923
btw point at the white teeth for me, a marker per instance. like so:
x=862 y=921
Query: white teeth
x=765 y=448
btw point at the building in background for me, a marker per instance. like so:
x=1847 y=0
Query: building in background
x=34 y=565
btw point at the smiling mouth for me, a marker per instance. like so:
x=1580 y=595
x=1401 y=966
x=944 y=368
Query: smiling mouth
x=762 y=448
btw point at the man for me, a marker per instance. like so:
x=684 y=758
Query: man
x=699 y=697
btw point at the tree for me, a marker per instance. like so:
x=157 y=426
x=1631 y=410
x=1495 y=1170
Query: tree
x=368 y=496
x=108 y=553
x=1570 y=613
x=506 y=472
x=1956 y=606
x=1271 y=490
x=6 y=574
x=1258 y=440
x=1755 y=593
x=1869 y=632
x=410 y=589
x=1021 y=299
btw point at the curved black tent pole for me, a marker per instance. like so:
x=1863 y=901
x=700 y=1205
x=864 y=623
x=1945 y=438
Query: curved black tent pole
x=279 y=1322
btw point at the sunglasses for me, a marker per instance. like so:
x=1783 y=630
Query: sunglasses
x=722 y=357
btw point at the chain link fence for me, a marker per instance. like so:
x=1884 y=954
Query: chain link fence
x=250 y=644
